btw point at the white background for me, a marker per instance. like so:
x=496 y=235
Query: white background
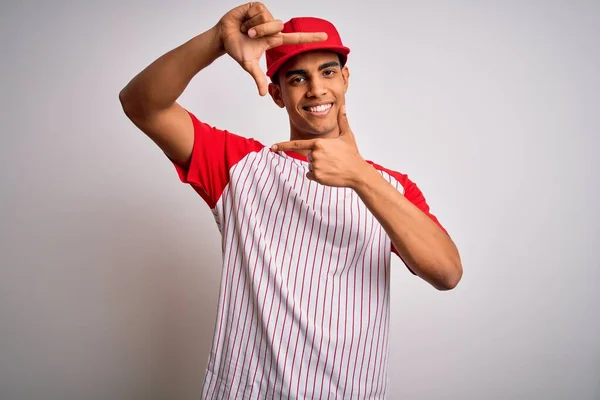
x=110 y=266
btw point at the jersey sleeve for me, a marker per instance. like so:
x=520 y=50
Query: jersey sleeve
x=413 y=194
x=214 y=153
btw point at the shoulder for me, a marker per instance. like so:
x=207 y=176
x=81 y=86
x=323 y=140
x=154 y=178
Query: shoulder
x=408 y=188
x=201 y=127
x=403 y=184
x=396 y=178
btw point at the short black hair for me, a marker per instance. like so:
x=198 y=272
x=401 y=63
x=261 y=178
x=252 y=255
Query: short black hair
x=275 y=78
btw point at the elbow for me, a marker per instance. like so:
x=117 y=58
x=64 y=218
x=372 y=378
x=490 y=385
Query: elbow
x=451 y=278
x=126 y=102
x=135 y=106
x=131 y=104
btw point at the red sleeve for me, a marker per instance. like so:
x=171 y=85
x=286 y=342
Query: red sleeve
x=214 y=153
x=413 y=194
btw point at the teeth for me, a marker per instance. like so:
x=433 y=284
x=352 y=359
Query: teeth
x=320 y=108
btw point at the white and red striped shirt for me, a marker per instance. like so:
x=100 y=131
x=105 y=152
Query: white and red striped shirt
x=303 y=309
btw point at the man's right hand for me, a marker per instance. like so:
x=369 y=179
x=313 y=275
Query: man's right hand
x=150 y=98
x=249 y=30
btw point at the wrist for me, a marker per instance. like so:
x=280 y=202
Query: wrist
x=363 y=177
x=216 y=39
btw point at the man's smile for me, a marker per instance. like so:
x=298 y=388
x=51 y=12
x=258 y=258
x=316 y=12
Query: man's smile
x=319 y=109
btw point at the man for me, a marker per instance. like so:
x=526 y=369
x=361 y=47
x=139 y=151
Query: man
x=307 y=225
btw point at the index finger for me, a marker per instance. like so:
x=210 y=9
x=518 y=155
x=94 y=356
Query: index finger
x=294 y=145
x=303 y=37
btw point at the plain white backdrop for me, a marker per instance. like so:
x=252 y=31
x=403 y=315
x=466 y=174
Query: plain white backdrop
x=110 y=266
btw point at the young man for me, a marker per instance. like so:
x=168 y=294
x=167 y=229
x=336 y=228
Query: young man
x=307 y=225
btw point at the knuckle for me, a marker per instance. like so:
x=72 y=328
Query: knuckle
x=266 y=15
x=273 y=41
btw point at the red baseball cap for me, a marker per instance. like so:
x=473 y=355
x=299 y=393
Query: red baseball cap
x=277 y=56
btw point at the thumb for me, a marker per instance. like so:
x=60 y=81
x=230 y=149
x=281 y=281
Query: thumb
x=259 y=76
x=343 y=124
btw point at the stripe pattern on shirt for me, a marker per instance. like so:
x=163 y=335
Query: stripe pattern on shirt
x=304 y=301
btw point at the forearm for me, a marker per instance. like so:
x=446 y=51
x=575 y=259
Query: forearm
x=425 y=248
x=161 y=83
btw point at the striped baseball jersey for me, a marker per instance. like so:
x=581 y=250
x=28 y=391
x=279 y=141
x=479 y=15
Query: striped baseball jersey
x=303 y=308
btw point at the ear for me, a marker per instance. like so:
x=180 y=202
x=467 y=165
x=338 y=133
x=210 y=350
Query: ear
x=345 y=77
x=275 y=92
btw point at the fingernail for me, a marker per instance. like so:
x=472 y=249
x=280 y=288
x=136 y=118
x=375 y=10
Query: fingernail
x=252 y=32
x=274 y=147
x=344 y=109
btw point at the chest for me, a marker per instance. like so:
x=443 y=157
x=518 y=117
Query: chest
x=274 y=187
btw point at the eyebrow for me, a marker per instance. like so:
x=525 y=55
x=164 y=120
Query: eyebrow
x=303 y=72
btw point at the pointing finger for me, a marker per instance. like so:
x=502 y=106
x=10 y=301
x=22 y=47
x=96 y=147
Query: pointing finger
x=294 y=145
x=303 y=37
x=296 y=38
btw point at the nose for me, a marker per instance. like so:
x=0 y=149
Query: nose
x=317 y=88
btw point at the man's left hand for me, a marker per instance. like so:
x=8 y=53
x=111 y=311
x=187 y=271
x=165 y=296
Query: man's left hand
x=332 y=162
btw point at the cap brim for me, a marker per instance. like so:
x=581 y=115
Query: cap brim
x=343 y=50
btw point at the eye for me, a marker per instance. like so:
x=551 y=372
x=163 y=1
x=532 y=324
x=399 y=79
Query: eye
x=297 y=80
x=329 y=72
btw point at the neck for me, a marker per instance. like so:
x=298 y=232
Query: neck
x=296 y=134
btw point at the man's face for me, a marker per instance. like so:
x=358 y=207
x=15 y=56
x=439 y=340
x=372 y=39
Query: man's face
x=312 y=88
